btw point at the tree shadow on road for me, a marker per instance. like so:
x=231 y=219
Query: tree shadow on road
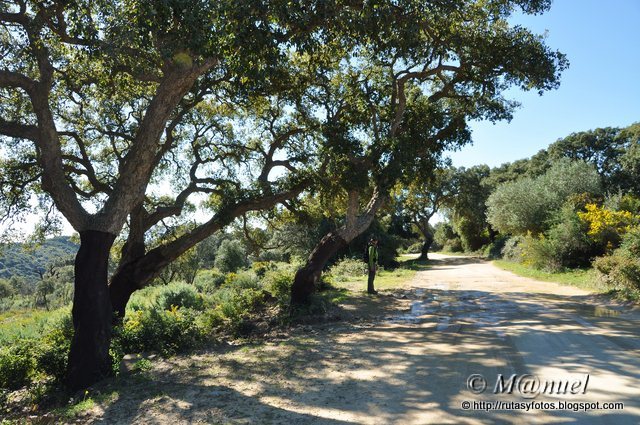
x=402 y=372
x=409 y=368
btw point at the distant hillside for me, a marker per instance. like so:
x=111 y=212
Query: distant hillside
x=20 y=260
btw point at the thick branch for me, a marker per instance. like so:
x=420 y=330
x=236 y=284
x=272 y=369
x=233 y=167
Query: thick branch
x=145 y=268
x=17 y=130
x=399 y=87
x=10 y=79
x=139 y=162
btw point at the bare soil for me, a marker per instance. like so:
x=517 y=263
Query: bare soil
x=404 y=358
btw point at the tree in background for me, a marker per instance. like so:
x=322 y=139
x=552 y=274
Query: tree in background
x=231 y=256
x=422 y=198
x=607 y=149
x=602 y=147
x=468 y=210
x=527 y=204
x=6 y=290
x=446 y=238
x=630 y=160
x=402 y=102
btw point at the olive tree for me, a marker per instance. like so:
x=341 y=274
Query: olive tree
x=527 y=204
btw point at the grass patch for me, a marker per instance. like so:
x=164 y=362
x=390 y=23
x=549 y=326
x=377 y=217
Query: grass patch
x=581 y=278
x=336 y=295
x=385 y=279
x=17 y=325
x=78 y=407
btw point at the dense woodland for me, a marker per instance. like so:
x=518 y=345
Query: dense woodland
x=224 y=162
x=24 y=261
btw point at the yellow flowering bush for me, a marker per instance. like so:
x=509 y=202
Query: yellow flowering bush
x=607 y=226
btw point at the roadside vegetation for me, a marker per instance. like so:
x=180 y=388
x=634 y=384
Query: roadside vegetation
x=581 y=278
x=570 y=213
x=245 y=301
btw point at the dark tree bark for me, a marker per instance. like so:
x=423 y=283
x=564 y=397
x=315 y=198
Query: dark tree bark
x=426 y=246
x=89 y=359
x=132 y=276
x=304 y=283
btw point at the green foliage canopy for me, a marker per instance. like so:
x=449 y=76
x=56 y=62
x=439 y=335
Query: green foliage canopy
x=525 y=205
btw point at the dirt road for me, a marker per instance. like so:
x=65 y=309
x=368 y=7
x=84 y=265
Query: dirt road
x=463 y=317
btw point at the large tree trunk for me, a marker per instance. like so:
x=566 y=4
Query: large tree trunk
x=426 y=246
x=89 y=359
x=135 y=275
x=304 y=283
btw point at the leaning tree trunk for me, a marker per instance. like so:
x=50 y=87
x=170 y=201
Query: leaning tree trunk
x=89 y=359
x=304 y=283
x=306 y=278
x=426 y=246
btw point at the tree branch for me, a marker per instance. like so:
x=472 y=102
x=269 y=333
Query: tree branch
x=139 y=162
x=17 y=130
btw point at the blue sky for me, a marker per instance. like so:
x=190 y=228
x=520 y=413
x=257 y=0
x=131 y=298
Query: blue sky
x=601 y=88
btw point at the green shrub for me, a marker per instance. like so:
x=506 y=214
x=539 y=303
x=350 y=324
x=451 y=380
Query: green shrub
x=142 y=299
x=6 y=290
x=164 y=296
x=348 y=268
x=234 y=305
x=565 y=245
x=52 y=350
x=512 y=250
x=620 y=271
x=493 y=250
x=179 y=294
x=443 y=233
x=244 y=280
x=165 y=331
x=16 y=365
x=568 y=234
x=453 y=245
x=540 y=253
x=260 y=268
x=472 y=235
x=208 y=281
x=41 y=353
x=231 y=256
x=278 y=283
x=631 y=242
